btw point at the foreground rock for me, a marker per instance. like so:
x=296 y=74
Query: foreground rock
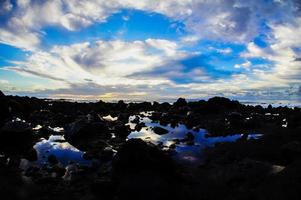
x=141 y=171
x=86 y=135
x=16 y=137
x=118 y=168
x=4 y=109
x=159 y=130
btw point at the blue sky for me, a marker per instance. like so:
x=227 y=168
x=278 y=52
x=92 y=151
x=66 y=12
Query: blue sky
x=151 y=50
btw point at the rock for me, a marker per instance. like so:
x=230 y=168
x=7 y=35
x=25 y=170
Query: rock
x=159 y=130
x=121 y=130
x=189 y=139
x=59 y=170
x=136 y=120
x=52 y=159
x=136 y=155
x=291 y=150
x=139 y=126
x=4 y=109
x=46 y=131
x=220 y=104
x=107 y=154
x=31 y=155
x=180 y=102
x=124 y=117
x=283 y=185
x=235 y=119
x=103 y=188
x=140 y=168
x=16 y=137
x=83 y=133
x=1 y=94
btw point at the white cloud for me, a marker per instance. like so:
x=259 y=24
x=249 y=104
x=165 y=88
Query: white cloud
x=281 y=53
x=245 y=65
x=102 y=62
x=5 y=7
x=2 y=81
x=234 y=20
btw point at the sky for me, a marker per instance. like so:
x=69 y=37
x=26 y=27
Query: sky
x=151 y=49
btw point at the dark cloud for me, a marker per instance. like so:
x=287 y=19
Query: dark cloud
x=5 y=7
x=32 y=72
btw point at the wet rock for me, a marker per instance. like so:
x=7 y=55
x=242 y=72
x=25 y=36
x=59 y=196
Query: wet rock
x=103 y=188
x=58 y=170
x=82 y=132
x=140 y=169
x=124 y=117
x=136 y=120
x=31 y=155
x=189 y=139
x=291 y=150
x=4 y=109
x=52 y=159
x=180 y=102
x=16 y=137
x=283 y=185
x=236 y=119
x=139 y=126
x=121 y=130
x=137 y=155
x=159 y=130
x=107 y=154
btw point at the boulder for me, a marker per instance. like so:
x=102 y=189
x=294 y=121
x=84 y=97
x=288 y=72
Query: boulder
x=16 y=137
x=83 y=134
x=136 y=155
x=291 y=150
x=142 y=171
x=121 y=130
x=159 y=130
x=180 y=102
x=4 y=109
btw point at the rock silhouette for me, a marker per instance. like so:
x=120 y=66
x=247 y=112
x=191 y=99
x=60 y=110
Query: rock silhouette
x=117 y=167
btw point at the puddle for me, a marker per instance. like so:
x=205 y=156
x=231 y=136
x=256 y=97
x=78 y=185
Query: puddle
x=186 y=150
x=64 y=152
x=109 y=118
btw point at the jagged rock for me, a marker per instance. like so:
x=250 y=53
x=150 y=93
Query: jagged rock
x=159 y=130
x=84 y=134
x=121 y=130
x=4 y=109
x=291 y=150
x=52 y=159
x=140 y=169
x=16 y=137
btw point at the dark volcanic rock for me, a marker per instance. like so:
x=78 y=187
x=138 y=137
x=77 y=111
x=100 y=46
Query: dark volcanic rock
x=180 y=102
x=121 y=130
x=142 y=171
x=31 y=155
x=83 y=133
x=4 y=109
x=137 y=155
x=16 y=137
x=159 y=130
x=52 y=159
x=291 y=150
x=265 y=168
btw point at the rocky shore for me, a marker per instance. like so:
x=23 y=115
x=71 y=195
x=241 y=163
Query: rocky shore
x=215 y=149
